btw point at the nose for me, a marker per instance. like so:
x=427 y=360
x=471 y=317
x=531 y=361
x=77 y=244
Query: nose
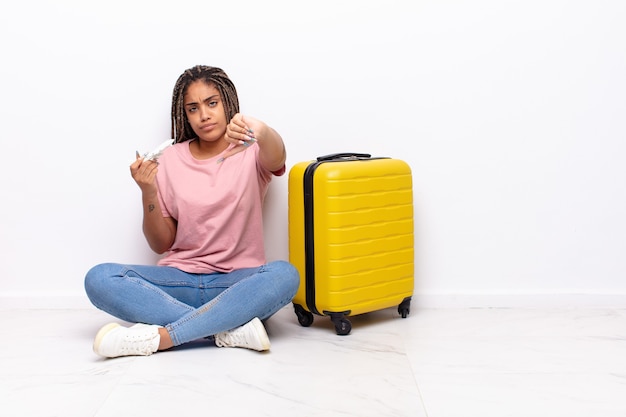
x=204 y=113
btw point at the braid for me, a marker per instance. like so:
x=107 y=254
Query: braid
x=181 y=129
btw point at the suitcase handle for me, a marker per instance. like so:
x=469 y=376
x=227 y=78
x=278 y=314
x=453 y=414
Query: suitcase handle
x=344 y=155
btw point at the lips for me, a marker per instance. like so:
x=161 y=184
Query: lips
x=208 y=127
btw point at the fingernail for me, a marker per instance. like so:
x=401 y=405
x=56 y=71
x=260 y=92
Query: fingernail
x=137 y=154
x=219 y=161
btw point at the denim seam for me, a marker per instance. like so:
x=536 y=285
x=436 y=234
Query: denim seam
x=197 y=312
x=155 y=290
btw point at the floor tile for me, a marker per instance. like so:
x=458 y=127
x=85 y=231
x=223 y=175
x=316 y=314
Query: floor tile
x=435 y=363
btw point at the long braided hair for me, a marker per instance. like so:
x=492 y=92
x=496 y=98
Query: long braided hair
x=181 y=129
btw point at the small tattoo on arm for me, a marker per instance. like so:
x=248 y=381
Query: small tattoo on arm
x=150 y=207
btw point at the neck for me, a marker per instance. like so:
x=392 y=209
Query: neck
x=204 y=150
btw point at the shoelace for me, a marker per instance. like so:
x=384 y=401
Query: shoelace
x=232 y=338
x=136 y=343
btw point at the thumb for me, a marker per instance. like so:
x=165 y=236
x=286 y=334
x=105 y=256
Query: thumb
x=233 y=151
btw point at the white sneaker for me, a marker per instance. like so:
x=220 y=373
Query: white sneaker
x=251 y=335
x=114 y=340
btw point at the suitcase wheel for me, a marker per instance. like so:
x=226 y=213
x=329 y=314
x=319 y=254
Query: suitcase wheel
x=342 y=324
x=305 y=318
x=405 y=307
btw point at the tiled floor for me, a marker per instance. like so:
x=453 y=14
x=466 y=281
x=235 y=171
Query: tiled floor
x=435 y=363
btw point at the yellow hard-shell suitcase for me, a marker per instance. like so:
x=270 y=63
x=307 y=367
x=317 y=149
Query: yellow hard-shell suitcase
x=351 y=236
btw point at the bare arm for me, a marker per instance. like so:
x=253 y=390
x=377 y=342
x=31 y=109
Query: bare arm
x=158 y=230
x=272 y=152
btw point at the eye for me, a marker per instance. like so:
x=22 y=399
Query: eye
x=213 y=103
x=192 y=109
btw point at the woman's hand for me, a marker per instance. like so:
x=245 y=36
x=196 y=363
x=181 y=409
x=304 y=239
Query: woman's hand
x=243 y=133
x=144 y=174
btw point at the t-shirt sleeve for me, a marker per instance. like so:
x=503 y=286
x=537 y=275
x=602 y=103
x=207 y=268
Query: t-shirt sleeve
x=281 y=171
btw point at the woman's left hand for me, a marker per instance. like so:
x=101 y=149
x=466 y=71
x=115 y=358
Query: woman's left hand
x=242 y=133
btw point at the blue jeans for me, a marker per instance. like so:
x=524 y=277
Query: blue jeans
x=191 y=306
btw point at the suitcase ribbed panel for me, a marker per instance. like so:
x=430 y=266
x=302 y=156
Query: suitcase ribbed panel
x=363 y=234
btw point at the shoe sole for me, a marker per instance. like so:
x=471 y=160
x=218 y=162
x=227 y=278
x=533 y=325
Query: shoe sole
x=260 y=330
x=100 y=335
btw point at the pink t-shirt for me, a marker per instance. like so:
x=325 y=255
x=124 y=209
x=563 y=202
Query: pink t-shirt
x=218 y=209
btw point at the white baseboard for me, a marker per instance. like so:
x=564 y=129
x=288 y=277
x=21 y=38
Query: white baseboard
x=519 y=300
x=49 y=300
x=72 y=300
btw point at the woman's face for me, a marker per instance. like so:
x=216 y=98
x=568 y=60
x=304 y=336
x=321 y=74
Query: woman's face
x=205 y=111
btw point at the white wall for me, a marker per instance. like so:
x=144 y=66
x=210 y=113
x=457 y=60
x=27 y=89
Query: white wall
x=510 y=113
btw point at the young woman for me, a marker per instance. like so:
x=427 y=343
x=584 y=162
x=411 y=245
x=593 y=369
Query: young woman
x=202 y=209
